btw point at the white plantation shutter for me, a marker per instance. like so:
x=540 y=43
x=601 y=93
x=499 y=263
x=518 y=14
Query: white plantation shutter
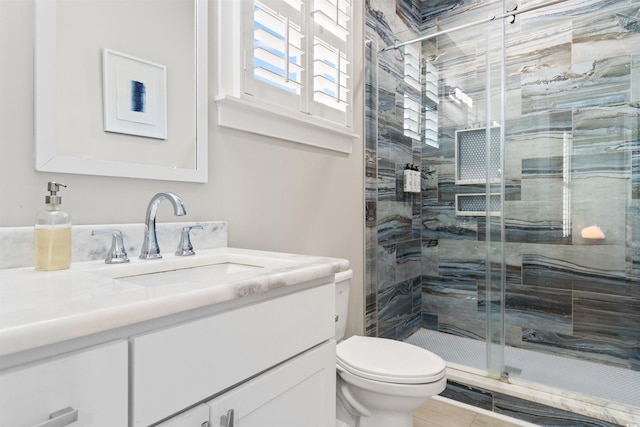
x=431 y=105
x=334 y=15
x=411 y=116
x=275 y=55
x=412 y=91
x=331 y=66
x=298 y=56
x=277 y=50
x=330 y=76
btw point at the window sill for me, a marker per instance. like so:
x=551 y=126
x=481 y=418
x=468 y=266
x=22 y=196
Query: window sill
x=252 y=117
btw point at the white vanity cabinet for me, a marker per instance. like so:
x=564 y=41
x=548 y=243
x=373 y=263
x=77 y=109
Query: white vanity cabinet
x=180 y=366
x=95 y=348
x=300 y=392
x=85 y=388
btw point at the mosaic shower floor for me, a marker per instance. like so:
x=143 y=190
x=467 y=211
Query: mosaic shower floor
x=594 y=379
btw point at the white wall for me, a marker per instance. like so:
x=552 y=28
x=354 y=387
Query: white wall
x=275 y=195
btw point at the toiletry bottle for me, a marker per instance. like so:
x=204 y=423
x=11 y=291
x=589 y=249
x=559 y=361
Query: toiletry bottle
x=413 y=179
x=407 y=178
x=416 y=182
x=52 y=249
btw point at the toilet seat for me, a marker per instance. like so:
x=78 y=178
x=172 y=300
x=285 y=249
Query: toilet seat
x=390 y=361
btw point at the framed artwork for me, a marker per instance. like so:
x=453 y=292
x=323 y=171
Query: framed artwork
x=135 y=95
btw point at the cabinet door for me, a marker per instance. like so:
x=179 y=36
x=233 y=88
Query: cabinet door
x=300 y=392
x=196 y=417
x=175 y=368
x=93 y=383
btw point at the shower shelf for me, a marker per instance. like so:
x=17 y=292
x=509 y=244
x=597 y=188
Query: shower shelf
x=471 y=162
x=475 y=204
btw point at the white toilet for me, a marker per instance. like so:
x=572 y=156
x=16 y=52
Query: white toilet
x=380 y=381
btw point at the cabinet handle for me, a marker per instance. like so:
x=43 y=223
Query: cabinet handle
x=227 y=420
x=60 y=418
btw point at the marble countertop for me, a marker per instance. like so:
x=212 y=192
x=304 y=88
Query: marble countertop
x=41 y=308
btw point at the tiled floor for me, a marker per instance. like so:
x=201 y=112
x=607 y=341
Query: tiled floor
x=439 y=412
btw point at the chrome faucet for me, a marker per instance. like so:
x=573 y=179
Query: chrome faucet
x=150 y=248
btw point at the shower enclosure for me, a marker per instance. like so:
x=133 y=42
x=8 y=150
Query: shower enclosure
x=518 y=261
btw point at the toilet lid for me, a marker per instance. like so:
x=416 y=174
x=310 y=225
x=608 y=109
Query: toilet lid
x=387 y=360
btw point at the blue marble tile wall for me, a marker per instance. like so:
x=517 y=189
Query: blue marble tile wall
x=393 y=222
x=522 y=409
x=572 y=80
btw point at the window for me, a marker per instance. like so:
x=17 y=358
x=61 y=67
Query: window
x=412 y=91
x=420 y=97
x=292 y=75
x=431 y=102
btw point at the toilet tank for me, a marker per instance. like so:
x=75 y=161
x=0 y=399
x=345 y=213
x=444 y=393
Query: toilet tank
x=343 y=280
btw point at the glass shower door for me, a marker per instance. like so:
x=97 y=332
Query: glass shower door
x=463 y=238
x=494 y=236
x=572 y=222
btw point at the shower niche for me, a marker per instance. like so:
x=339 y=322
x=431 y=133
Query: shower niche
x=477 y=164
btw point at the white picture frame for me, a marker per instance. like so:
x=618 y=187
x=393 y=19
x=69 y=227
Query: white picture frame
x=134 y=95
x=85 y=155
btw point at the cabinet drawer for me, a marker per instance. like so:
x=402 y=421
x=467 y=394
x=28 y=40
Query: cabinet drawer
x=300 y=392
x=93 y=382
x=177 y=367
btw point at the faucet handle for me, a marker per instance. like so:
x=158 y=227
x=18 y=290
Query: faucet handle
x=185 y=248
x=117 y=254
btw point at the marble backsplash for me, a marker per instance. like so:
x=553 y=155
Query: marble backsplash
x=16 y=243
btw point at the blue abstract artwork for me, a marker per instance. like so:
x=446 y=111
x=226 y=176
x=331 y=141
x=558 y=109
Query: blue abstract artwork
x=138 y=96
x=135 y=96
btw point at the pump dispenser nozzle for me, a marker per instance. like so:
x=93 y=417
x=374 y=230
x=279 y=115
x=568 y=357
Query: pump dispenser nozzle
x=53 y=187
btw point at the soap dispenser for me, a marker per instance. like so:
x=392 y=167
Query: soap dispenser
x=52 y=249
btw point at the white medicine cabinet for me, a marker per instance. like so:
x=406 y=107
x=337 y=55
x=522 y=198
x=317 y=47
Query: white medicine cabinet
x=285 y=70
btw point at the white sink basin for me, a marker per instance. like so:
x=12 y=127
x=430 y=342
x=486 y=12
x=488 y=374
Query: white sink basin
x=189 y=274
x=197 y=270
